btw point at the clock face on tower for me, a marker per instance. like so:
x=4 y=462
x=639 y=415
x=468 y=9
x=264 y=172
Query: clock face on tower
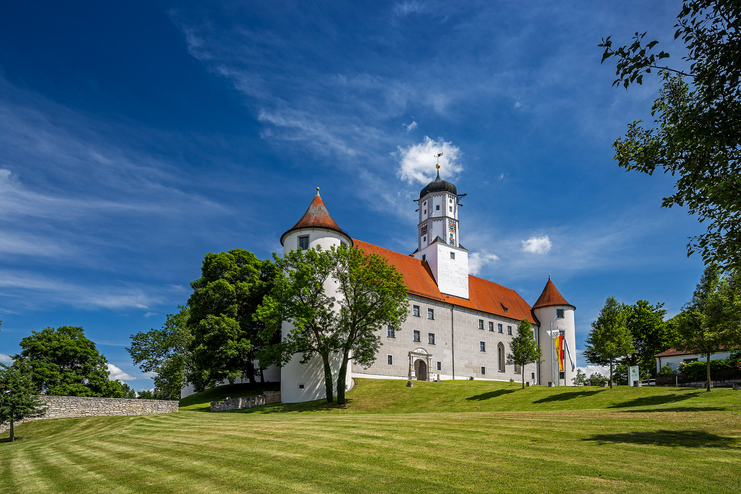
x=451 y=227
x=424 y=230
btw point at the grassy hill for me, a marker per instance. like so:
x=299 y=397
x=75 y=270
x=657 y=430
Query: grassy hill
x=435 y=437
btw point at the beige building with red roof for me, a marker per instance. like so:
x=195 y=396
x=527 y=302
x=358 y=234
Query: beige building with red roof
x=459 y=325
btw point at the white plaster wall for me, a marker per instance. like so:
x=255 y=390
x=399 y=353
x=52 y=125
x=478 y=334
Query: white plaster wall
x=461 y=342
x=452 y=274
x=675 y=360
x=271 y=375
x=545 y=315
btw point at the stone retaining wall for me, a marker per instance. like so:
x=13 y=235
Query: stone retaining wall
x=265 y=398
x=79 y=406
x=730 y=383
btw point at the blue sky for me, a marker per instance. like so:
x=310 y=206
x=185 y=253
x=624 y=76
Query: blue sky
x=136 y=137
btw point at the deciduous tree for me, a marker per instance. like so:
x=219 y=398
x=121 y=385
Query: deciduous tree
x=64 y=362
x=610 y=338
x=299 y=298
x=165 y=352
x=697 y=131
x=372 y=296
x=19 y=397
x=651 y=334
x=226 y=338
x=711 y=321
x=524 y=349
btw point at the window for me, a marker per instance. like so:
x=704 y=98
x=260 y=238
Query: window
x=424 y=239
x=303 y=242
x=415 y=310
x=416 y=336
x=452 y=239
x=481 y=324
x=517 y=369
x=439 y=365
x=390 y=359
x=452 y=255
x=425 y=211
x=431 y=338
x=499 y=327
x=482 y=346
x=500 y=357
x=424 y=257
x=437 y=208
x=688 y=360
x=562 y=375
x=509 y=330
x=451 y=209
x=559 y=313
x=425 y=203
x=491 y=326
x=532 y=376
x=483 y=371
x=390 y=332
x=430 y=313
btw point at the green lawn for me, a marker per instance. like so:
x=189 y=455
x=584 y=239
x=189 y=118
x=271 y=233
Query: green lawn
x=448 y=437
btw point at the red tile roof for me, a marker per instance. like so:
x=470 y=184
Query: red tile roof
x=550 y=296
x=484 y=295
x=672 y=352
x=316 y=216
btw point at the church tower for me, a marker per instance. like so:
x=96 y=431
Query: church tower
x=556 y=318
x=438 y=237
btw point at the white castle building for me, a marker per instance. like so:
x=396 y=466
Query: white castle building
x=459 y=325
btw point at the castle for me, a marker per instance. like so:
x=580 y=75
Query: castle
x=459 y=325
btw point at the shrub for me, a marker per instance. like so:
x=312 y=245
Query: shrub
x=697 y=371
x=667 y=371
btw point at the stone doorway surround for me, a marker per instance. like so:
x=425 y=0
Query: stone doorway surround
x=423 y=357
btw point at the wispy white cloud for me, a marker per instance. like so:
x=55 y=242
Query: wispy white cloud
x=150 y=314
x=417 y=162
x=537 y=245
x=409 y=7
x=4 y=358
x=411 y=126
x=35 y=288
x=478 y=260
x=117 y=374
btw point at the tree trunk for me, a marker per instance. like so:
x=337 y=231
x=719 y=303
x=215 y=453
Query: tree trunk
x=12 y=432
x=251 y=372
x=522 y=369
x=707 y=366
x=328 y=378
x=262 y=375
x=341 y=376
x=610 y=373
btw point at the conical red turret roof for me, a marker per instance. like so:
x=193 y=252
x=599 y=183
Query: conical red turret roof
x=550 y=296
x=316 y=216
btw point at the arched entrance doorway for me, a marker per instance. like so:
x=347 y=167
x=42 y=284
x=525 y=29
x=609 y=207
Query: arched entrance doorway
x=419 y=364
x=420 y=370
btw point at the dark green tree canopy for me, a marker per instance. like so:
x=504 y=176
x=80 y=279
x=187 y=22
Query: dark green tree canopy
x=225 y=337
x=711 y=321
x=165 y=352
x=64 y=362
x=19 y=397
x=610 y=339
x=651 y=334
x=697 y=131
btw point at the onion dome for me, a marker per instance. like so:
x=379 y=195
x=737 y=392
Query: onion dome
x=316 y=217
x=438 y=185
x=550 y=296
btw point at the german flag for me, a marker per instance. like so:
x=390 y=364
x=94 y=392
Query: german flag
x=559 y=352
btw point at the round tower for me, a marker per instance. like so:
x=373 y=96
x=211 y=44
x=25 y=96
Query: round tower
x=556 y=318
x=316 y=228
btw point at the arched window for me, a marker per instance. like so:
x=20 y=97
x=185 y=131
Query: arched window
x=500 y=356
